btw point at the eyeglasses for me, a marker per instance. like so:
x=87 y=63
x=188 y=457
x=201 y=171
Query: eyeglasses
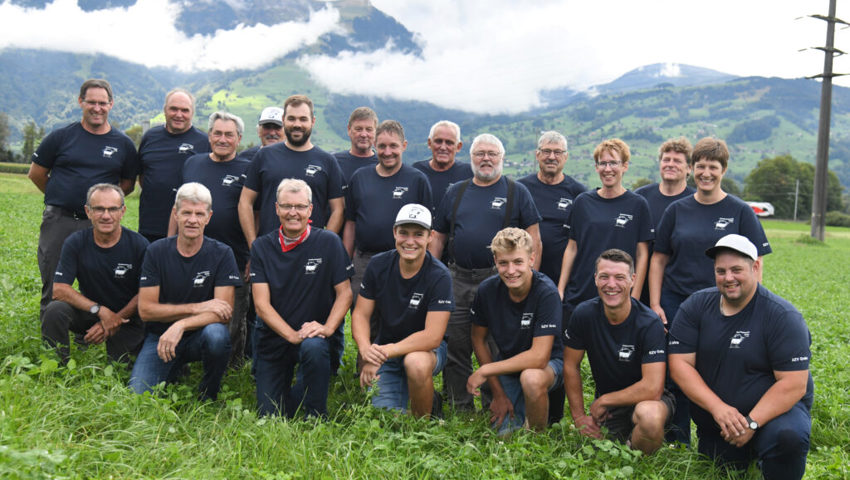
x=481 y=154
x=102 y=210
x=603 y=165
x=93 y=103
x=547 y=151
x=299 y=207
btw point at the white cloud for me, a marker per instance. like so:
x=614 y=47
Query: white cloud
x=145 y=33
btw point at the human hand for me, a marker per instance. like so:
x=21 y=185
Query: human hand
x=368 y=375
x=375 y=354
x=168 y=341
x=223 y=309
x=587 y=426
x=500 y=408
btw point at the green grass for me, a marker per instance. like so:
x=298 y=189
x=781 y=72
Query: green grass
x=80 y=421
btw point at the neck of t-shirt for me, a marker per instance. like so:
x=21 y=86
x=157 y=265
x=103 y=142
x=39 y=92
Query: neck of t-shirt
x=366 y=154
x=550 y=180
x=438 y=167
x=101 y=130
x=612 y=192
x=409 y=268
x=671 y=189
x=483 y=183
x=217 y=159
x=618 y=315
x=107 y=240
x=308 y=145
x=383 y=172
x=188 y=247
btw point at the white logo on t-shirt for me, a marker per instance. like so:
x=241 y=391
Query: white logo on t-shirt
x=497 y=203
x=185 y=148
x=398 y=192
x=622 y=220
x=229 y=180
x=415 y=299
x=312 y=266
x=738 y=338
x=108 y=151
x=312 y=170
x=122 y=269
x=564 y=203
x=625 y=353
x=527 y=317
x=722 y=223
x=200 y=278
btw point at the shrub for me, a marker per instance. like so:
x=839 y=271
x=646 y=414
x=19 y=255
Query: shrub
x=837 y=219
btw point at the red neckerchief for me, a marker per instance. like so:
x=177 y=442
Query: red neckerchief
x=284 y=246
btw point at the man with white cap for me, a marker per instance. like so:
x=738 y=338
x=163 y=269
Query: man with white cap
x=269 y=129
x=741 y=354
x=412 y=293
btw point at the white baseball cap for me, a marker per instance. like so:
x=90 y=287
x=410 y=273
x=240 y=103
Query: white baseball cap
x=414 y=213
x=271 y=115
x=738 y=243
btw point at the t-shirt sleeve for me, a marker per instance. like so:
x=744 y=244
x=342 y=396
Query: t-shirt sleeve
x=45 y=154
x=441 y=295
x=350 y=198
x=258 y=268
x=425 y=194
x=548 y=312
x=227 y=273
x=529 y=215
x=752 y=229
x=343 y=268
x=442 y=218
x=252 y=176
x=647 y=228
x=335 y=179
x=575 y=221
x=66 y=270
x=654 y=343
x=684 y=335
x=789 y=341
x=369 y=284
x=130 y=168
x=575 y=332
x=476 y=315
x=151 y=272
x=664 y=230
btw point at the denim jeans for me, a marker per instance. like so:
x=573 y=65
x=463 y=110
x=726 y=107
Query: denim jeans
x=275 y=366
x=513 y=389
x=392 y=384
x=210 y=345
x=681 y=429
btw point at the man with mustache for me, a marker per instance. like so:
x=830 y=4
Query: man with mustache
x=469 y=215
x=441 y=169
x=269 y=129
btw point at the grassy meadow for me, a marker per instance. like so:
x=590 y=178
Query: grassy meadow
x=81 y=421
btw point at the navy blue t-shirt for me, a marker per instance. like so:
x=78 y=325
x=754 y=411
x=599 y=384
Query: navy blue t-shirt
x=249 y=153
x=224 y=180
x=616 y=352
x=301 y=281
x=108 y=276
x=737 y=355
x=513 y=326
x=659 y=202
x=440 y=181
x=688 y=228
x=597 y=224
x=161 y=157
x=480 y=216
x=403 y=303
x=554 y=202
x=187 y=279
x=349 y=164
x=275 y=162
x=78 y=159
x=372 y=203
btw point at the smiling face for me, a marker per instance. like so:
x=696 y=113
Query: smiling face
x=294 y=210
x=178 y=113
x=105 y=210
x=96 y=106
x=362 y=135
x=411 y=241
x=708 y=175
x=224 y=139
x=674 y=167
x=269 y=133
x=736 y=277
x=444 y=146
x=390 y=148
x=515 y=268
x=611 y=168
x=486 y=162
x=298 y=124
x=613 y=283
x=551 y=158
x=192 y=218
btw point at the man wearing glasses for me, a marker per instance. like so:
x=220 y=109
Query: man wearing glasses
x=469 y=215
x=67 y=162
x=106 y=259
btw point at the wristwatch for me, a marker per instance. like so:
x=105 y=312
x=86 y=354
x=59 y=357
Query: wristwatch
x=94 y=309
x=754 y=425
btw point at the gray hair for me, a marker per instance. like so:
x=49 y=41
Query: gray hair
x=551 y=137
x=240 y=125
x=193 y=192
x=99 y=187
x=489 y=140
x=294 y=185
x=445 y=123
x=184 y=92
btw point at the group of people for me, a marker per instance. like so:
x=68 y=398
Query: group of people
x=436 y=261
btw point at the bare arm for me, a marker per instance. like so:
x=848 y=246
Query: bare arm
x=222 y=301
x=424 y=340
x=218 y=309
x=535 y=357
x=567 y=266
x=360 y=328
x=341 y=304
x=789 y=388
x=348 y=237
x=641 y=266
x=575 y=393
x=534 y=231
x=39 y=176
x=246 y=214
x=478 y=336
x=656 y=279
x=649 y=387
x=335 y=221
x=262 y=303
x=438 y=243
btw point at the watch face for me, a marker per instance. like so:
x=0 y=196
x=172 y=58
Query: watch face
x=754 y=425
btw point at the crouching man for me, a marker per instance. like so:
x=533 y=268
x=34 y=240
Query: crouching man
x=411 y=292
x=300 y=278
x=625 y=344
x=741 y=355
x=186 y=299
x=521 y=309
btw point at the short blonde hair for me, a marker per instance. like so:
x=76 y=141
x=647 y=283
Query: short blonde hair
x=613 y=145
x=510 y=239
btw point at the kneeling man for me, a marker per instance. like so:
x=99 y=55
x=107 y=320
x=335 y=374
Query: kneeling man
x=186 y=299
x=741 y=355
x=411 y=292
x=106 y=259
x=300 y=280
x=521 y=309
x=625 y=344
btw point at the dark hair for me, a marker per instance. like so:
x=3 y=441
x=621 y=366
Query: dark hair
x=711 y=149
x=390 y=126
x=95 y=83
x=618 y=256
x=362 y=113
x=296 y=100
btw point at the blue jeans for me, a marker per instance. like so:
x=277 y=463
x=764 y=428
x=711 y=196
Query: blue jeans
x=275 y=366
x=513 y=389
x=210 y=345
x=392 y=384
x=681 y=429
x=781 y=445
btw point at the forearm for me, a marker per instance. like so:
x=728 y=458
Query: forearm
x=574 y=391
x=131 y=309
x=66 y=293
x=336 y=220
x=340 y=307
x=166 y=312
x=633 y=394
x=692 y=384
x=422 y=341
x=566 y=266
x=437 y=244
x=196 y=322
x=274 y=321
x=245 y=209
x=779 y=398
x=348 y=238
x=641 y=266
x=656 y=277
